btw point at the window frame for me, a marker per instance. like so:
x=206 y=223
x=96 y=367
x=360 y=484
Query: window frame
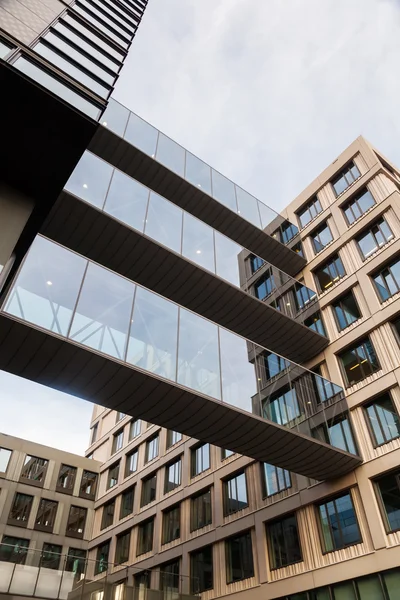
x=330 y=264
x=228 y=558
x=27 y=499
x=167 y=525
x=194 y=472
x=107 y=515
x=122 y=536
x=338 y=301
x=143 y=490
x=370 y=403
x=269 y=276
x=369 y=230
x=152 y=443
x=199 y=588
x=314 y=235
x=117 y=441
x=128 y=491
x=342 y=174
x=382 y=509
x=170 y=438
x=354 y=347
x=84 y=478
x=110 y=477
x=29 y=480
x=142 y=535
x=378 y=272
x=320 y=528
x=177 y=464
x=314 y=201
x=39 y=526
x=354 y=200
x=76 y=534
x=286 y=474
x=70 y=489
x=273 y=563
x=206 y=510
x=230 y=481
x=317 y=318
x=128 y=457
x=133 y=425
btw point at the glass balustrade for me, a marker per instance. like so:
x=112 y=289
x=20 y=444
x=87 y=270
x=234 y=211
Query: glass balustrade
x=135 y=205
x=150 y=140
x=72 y=297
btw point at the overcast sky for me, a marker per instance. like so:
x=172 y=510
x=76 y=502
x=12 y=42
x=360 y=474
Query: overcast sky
x=269 y=92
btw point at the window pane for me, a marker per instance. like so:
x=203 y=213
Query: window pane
x=200 y=459
x=359 y=362
x=134 y=429
x=21 y=509
x=170 y=154
x=108 y=514
x=115 y=117
x=239 y=558
x=141 y=134
x=198 y=173
x=149 y=488
x=47 y=286
x=88 y=484
x=392 y=582
x=201 y=570
x=200 y=511
x=34 y=469
x=82 y=43
x=248 y=208
x=131 y=463
x=90 y=179
x=127 y=499
x=76 y=522
x=238 y=375
x=370 y=588
x=383 y=419
x=198 y=242
x=122 y=548
x=164 y=222
x=284 y=543
x=103 y=312
x=5 y=456
x=13 y=549
x=51 y=555
x=223 y=190
x=171 y=525
x=153 y=334
x=389 y=489
x=227 y=258
x=235 y=494
x=127 y=200
x=66 y=478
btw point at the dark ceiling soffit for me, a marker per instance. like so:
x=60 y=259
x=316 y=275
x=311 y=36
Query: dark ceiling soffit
x=47 y=359
x=148 y=171
x=97 y=236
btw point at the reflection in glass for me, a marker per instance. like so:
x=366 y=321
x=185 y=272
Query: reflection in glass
x=267 y=215
x=227 y=258
x=198 y=356
x=198 y=242
x=164 y=222
x=248 y=207
x=141 y=134
x=170 y=154
x=223 y=190
x=90 y=179
x=103 y=312
x=238 y=376
x=127 y=200
x=153 y=334
x=115 y=117
x=198 y=172
x=47 y=287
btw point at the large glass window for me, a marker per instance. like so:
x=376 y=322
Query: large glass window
x=118 y=441
x=90 y=179
x=345 y=178
x=383 y=419
x=321 y=237
x=46 y=515
x=170 y=154
x=153 y=334
x=346 y=310
x=227 y=258
x=359 y=361
x=201 y=570
x=283 y=542
x=149 y=488
x=374 y=238
x=200 y=459
x=127 y=499
x=198 y=173
x=238 y=376
x=134 y=429
x=5 y=456
x=88 y=485
x=223 y=190
x=388 y=488
x=235 y=494
x=76 y=522
x=387 y=280
x=75 y=561
x=34 y=469
x=200 y=510
x=127 y=200
x=102 y=558
x=239 y=558
x=309 y=211
x=145 y=537
x=315 y=323
x=265 y=285
x=256 y=263
x=282 y=407
x=152 y=448
x=329 y=273
x=122 y=548
x=198 y=242
x=252 y=210
x=339 y=526
x=107 y=518
x=171 y=524
x=141 y=134
x=131 y=463
x=164 y=222
x=173 y=475
x=20 y=509
x=338 y=433
x=51 y=556
x=358 y=206
x=13 y=549
x=103 y=312
x=173 y=437
x=113 y=474
x=275 y=479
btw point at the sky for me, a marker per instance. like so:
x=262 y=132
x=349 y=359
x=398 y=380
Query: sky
x=267 y=92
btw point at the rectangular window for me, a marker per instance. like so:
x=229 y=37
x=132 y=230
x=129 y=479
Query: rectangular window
x=345 y=178
x=303 y=295
x=359 y=361
x=387 y=281
x=256 y=263
x=76 y=522
x=131 y=463
x=46 y=515
x=309 y=211
x=113 y=474
x=388 y=489
x=282 y=407
x=239 y=558
x=382 y=419
x=200 y=510
x=235 y=494
x=173 y=475
x=275 y=479
x=5 y=456
x=88 y=485
x=118 y=440
x=51 y=555
x=226 y=453
x=134 y=429
x=13 y=549
x=358 y=206
x=120 y=416
x=321 y=237
x=283 y=542
x=338 y=433
x=76 y=561
x=173 y=437
x=274 y=364
x=374 y=238
x=329 y=273
x=338 y=522
x=127 y=499
x=201 y=570
x=66 y=479
x=102 y=558
x=288 y=231
x=171 y=524
x=145 y=537
x=200 y=459
x=298 y=248
x=315 y=323
x=107 y=518
x=152 y=449
x=94 y=432
x=149 y=488
x=346 y=311
x=265 y=285
x=122 y=548
x=34 y=470
x=20 y=510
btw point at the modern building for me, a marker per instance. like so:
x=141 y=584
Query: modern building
x=46 y=518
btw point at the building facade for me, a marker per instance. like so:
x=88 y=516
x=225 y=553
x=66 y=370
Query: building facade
x=196 y=518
